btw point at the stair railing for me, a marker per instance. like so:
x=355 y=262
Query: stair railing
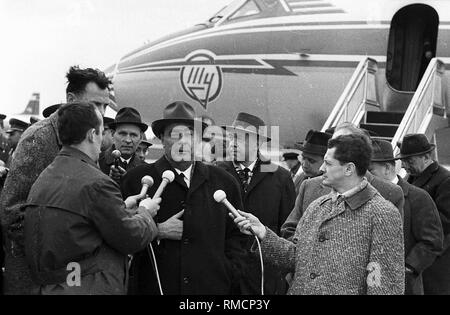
x=359 y=95
x=426 y=111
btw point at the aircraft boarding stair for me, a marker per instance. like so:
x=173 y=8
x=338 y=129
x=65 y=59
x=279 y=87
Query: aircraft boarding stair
x=426 y=112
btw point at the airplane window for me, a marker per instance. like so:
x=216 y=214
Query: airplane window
x=248 y=9
x=225 y=11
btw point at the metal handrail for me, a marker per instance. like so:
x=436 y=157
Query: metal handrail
x=420 y=111
x=366 y=67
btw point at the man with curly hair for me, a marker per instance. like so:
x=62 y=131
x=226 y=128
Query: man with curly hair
x=37 y=148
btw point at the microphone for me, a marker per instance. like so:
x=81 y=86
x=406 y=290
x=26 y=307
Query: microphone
x=116 y=155
x=221 y=197
x=167 y=177
x=147 y=182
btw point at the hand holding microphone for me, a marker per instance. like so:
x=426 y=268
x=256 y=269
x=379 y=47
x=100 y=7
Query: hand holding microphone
x=247 y=223
x=167 y=177
x=116 y=171
x=132 y=201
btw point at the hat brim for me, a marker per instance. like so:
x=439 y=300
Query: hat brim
x=243 y=130
x=142 y=126
x=304 y=149
x=159 y=125
x=147 y=143
x=384 y=160
x=405 y=156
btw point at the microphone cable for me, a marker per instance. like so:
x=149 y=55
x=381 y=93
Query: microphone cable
x=262 y=263
x=151 y=253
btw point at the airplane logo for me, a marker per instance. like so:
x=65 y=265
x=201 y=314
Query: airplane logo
x=201 y=78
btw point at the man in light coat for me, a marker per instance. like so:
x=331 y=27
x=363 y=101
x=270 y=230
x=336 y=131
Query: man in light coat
x=314 y=188
x=349 y=241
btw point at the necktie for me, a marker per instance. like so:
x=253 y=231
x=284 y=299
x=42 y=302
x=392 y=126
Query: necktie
x=244 y=176
x=183 y=177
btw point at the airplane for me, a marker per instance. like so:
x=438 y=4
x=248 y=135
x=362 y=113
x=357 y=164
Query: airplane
x=288 y=61
x=31 y=111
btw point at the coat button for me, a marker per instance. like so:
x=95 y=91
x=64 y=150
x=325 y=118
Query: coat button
x=186 y=241
x=323 y=237
x=186 y=280
x=313 y=276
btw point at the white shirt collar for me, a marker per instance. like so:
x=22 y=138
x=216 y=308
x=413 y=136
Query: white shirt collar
x=123 y=160
x=250 y=167
x=395 y=180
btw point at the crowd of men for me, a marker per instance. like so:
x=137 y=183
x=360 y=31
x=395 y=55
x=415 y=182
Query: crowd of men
x=339 y=219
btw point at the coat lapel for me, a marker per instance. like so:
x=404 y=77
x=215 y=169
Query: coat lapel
x=426 y=175
x=257 y=177
x=201 y=174
x=404 y=185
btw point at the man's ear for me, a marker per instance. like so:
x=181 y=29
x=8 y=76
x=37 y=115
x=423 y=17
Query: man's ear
x=71 y=97
x=350 y=169
x=90 y=135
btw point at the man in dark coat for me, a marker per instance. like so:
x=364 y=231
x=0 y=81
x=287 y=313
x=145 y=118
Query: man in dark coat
x=128 y=130
x=268 y=192
x=37 y=148
x=422 y=226
x=314 y=188
x=78 y=230
x=415 y=153
x=199 y=248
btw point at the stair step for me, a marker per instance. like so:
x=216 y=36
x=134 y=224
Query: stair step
x=384 y=117
x=381 y=130
x=382 y=138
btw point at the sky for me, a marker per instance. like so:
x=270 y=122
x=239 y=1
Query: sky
x=41 y=39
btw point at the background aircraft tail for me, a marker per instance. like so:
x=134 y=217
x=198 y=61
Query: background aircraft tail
x=33 y=105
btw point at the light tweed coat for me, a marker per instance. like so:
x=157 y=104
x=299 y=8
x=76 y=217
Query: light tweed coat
x=352 y=246
x=37 y=148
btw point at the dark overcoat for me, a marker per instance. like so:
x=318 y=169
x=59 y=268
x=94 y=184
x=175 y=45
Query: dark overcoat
x=270 y=196
x=436 y=181
x=209 y=257
x=312 y=189
x=423 y=235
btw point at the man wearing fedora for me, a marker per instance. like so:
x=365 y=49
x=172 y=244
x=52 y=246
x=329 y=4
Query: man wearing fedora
x=38 y=147
x=199 y=249
x=267 y=189
x=128 y=130
x=313 y=150
x=314 y=188
x=422 y=226
x=425 y=173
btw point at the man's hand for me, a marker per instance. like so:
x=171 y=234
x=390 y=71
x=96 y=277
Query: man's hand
x=172 y=229
x=131 y=202
x=116 y=173
x=151 y=206
x=249 y=222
